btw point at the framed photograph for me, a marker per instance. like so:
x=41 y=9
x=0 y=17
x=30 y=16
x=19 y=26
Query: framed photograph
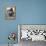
x=32 y=32
x=10 y=13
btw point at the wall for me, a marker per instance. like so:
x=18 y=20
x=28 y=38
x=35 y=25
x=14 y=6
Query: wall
x=27 y=12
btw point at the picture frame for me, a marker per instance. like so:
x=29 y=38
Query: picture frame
x=10 y=13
